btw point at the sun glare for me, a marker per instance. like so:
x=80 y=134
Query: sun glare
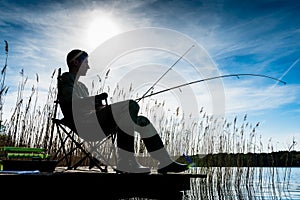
x=101 y=29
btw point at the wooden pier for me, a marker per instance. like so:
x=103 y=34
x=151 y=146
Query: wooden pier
x=98 y=185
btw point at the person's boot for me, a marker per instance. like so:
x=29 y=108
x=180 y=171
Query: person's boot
x=166 y=163
x=175 y=167
x=157 y=151
x=128 y=163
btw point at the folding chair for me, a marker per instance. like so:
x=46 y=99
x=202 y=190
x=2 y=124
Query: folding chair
x=75 y=151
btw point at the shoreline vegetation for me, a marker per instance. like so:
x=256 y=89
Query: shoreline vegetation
x=273 y=159
x=209 y=143
x=212 y=144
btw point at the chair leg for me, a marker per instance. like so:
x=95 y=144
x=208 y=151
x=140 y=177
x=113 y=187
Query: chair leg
x=90 y=154
x=106 y=161
x=87 y=156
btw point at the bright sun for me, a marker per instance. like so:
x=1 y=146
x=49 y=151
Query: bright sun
x=101 y=29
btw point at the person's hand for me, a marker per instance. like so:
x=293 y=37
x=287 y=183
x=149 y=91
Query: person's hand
x=99 y=98
x=102 y=96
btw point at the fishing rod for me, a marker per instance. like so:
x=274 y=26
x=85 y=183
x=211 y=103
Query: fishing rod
x=152 y=87
x=207 y=79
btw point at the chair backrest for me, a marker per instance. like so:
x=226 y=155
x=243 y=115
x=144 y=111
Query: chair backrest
x=55 y=120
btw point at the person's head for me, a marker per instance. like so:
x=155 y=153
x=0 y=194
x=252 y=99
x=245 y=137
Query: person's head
x=77 y=61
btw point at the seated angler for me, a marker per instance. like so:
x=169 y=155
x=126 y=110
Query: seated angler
x=121 y=116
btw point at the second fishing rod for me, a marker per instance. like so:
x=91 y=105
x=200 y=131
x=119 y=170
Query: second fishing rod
x=145 y=95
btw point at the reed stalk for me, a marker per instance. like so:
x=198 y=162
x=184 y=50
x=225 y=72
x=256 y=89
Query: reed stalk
x=30 y=125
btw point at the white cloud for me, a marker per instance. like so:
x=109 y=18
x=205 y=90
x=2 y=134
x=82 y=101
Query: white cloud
x=40 y=35
x=250 y=99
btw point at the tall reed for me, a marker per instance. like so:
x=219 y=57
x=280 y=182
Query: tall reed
x=30 y=125
x=3 y=87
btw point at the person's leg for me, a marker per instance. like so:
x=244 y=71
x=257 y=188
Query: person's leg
x=120 y=116
x=156 y=148
x=124 y=116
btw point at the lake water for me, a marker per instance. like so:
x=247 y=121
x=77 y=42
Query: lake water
x=254 y=183
x=245 y=183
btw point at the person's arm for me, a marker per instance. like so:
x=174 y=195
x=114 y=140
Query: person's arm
x=93 y=102
x=79 y=96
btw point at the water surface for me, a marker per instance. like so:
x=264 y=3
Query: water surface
x=245 y=183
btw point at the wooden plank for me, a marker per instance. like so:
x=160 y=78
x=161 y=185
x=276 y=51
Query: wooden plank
x=109 y=185
x=24 y=165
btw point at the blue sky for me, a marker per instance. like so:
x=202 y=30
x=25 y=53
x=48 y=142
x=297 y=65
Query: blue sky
x=261 y=37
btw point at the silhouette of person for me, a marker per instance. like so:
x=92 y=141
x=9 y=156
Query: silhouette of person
x=121 y=116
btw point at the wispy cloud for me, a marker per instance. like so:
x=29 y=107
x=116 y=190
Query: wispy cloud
x=251 y=99
x=240 y=37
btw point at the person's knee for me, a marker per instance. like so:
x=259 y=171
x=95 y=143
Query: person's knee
x=142 y=121
x=133 y=110
x=133 y=105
